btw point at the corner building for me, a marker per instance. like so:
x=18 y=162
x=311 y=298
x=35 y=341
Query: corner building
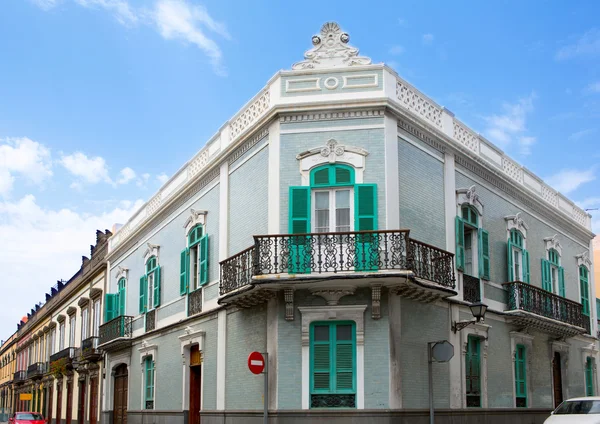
x=340 y=222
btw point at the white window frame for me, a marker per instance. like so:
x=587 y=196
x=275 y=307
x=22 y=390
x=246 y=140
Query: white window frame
x=72 y=328
x=479 y=330
x=526 y=340
x=194 y=267
x=85 y=319
x=97 y=318
x=150 y=291
x=332 y=206
x=61 y=335
x=146 y=350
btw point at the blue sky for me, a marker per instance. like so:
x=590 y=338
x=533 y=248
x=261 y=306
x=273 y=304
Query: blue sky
x=102 y=100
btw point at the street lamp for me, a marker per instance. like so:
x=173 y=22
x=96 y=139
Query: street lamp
x=478 y=310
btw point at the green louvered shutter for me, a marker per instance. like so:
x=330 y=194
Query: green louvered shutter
x=184 y=270
x=156 y=296
x=122 y=299
x=561 y=281
x=509 y=257
x=143 y=289
x=521 y=376
x=546 y=276
x=589 y=377
x=526 y=266
x=365 y=210
x=484 y=254
x=460 y=243
x=321 y=359
x=109 y=307
x=204 y=259
x=299 y=223
x=473 y=372
x=344 y=358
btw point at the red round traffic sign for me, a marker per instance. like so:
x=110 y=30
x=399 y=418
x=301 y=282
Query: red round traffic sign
x=256 y=362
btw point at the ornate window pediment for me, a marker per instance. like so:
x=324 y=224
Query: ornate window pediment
x=517 y=223
x=152 y=250
x=553 y=243
x=122 y=272
x=583 y=259
x=333 y=152
x=147 y=349
x=195 y=218
x=470 y=197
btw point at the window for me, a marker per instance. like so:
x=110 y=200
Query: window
x=149 y=382
x=194 y=261
x=84 y=323
x=114 y=303
x=72 y=331
x=96 y=326
x=518 y=257
x=473 y=371
x=333 y=364
x=589 y=377
x=472 y=244
x=150 y=286
x=61 y=336
x=521 y=376
x=553 y=275
x=585 y=290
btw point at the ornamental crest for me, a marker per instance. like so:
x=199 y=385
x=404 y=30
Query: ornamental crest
x=331 y=50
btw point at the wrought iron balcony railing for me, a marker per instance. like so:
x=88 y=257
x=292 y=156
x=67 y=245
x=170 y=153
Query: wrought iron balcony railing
x=528 y=298
x=67 y=353
x=20 y=376
x=317 y=253
x=195 y=302
x=150 y=320
x=471 y=289
x=89 y=348
x=119 y=327
x=36 y=370
x=587 y=324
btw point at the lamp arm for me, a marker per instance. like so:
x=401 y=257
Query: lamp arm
x=459 y=325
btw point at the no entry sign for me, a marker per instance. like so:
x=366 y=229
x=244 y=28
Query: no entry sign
x=256 y=362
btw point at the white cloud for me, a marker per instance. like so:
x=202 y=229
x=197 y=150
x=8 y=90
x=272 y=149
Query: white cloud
x=576 y=136
x=593 y=88
x=25 y=157
x=127 y=174
x=162 y=178
x=511 y=125
x=90 y=170
x=590 y=202
x=428 y=39
x=123 y=13
x=587 y=45
x=57 y=240
x=396 y=50
x=141 y=182
x=568 y=180
x=45 y=4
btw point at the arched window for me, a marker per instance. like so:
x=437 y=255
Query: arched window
x=553 y=275
x=472 y=244
x=518 y=257
x=194 y=261
x=332 y=194
x=150 y=286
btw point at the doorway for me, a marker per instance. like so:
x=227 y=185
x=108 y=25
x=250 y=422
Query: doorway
x=81 y=402
x=557 y=379
x=69 y=402
x=195 y=384
x=93 y=400
x=120 y=395
x=58 y=402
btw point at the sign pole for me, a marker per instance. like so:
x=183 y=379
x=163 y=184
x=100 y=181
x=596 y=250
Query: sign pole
x=266 y=389
x=430 y=369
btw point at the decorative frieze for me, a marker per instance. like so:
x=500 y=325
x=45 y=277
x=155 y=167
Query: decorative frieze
x=418 y=104
x=329 y=116
x=247 y=146
x=466 y=137
x=250 y=115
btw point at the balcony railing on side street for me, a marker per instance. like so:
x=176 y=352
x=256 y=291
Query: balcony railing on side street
x=119 y=327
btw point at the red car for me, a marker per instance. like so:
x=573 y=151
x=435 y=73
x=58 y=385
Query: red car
x=27 y=418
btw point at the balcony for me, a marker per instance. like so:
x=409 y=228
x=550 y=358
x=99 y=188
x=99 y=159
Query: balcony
x=280 y=260
x=20 y=377
x=62 y=361
x=116 y=333
x=532 y=306
x=36 y=371
x=471 y=289
x=89 y=349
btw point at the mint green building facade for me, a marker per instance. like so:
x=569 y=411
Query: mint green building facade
x=340 y=222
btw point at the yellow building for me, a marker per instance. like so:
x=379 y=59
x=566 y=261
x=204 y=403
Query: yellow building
x=8 y=361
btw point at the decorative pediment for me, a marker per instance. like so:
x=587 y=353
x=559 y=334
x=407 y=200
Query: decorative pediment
x=583 y=259
x=152 y=250
x=95 y=293
x=195 y=218
x=517 y=223
x=333 y=294
x=470 y=197
x=61 y=318
x=147 y=349
x=553 y=243
x=331 y=50
x=122 y=272
x=83 y=302
x=333 y=152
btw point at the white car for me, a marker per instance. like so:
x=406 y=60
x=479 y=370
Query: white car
x=583 y=410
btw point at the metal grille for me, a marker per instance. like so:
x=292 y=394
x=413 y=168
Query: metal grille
x=471 y=289
x=333 y=401
x=121 y=326
x=195 y=302
x=150 y=320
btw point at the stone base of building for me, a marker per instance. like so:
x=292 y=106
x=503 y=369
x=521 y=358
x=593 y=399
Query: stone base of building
x=416 y=416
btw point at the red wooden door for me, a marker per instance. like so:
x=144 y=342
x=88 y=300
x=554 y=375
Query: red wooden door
x=58 y=402
x=49 y=402
x=81 y=402
x=195 y=385
x=94 y=400
x=69 y=402
x=120 y=395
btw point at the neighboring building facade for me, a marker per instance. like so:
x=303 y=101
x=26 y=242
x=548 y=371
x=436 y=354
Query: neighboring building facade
x=8 y=361
x=340 y=222
x=58 y=364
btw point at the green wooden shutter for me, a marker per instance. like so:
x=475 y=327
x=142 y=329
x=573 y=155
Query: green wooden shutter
x=204 y=259
x=149 y=395
x=345 y=362
x=109 y=307
x=509 y=257
x=143 y=288
x=484 y=254
x=585 y=297
x=156 y=296
x=122 y=299
x=521 y=375
x=589 y=377
x=365 y=219
x=526 y=266
x=473 y=371
x=561 y=281
x=546 y=275
x=184 y=271
x=460 y=243
x=299 y=223
x=321 y=361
